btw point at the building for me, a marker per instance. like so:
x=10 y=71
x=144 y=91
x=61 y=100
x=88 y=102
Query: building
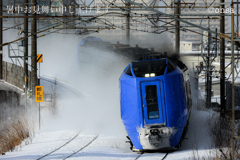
x=186 y=46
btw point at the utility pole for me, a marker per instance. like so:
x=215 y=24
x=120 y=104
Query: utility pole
x=1 y=38
x=177 y=29
x=237 y=21
x=34 y=48
x=222 y=60
x=26 y=44
x=128 y=23
x=232 y=66
x=237 y=35
x=208 y=87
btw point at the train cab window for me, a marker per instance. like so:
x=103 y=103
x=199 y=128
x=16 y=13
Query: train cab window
x=152 y=102
x=142 y=68
x=128 y=71
x=171 y=66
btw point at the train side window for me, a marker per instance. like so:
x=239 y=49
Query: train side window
x=187 y=90
x=152 y=102
x=128 y=71
x=189 y=93
x=171 y=66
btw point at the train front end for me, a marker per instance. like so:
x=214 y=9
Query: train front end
x=153 y=103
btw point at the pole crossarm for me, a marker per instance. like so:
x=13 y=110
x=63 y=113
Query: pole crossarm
x=182 y=28
x=87 y=28
x=53 y=27
x=38 y=32
x=177 y=19
x=41 y=16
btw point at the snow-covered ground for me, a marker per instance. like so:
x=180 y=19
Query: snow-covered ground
x=106 y=146
x=89 y=105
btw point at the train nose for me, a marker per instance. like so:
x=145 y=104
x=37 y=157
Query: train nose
x=154 y=131
x=156 y=138
x=165 y=132
x=162 y=132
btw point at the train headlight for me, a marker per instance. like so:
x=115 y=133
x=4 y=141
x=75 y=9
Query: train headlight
x=146 y=75
x=150 y=75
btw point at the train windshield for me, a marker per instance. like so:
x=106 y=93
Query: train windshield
x=154 y=67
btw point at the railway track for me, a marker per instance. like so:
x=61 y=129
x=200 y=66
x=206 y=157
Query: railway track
x=140 y=155
x=94 y=138
x=162 y=155
x=165 y=156
x=86 y=145
x=59 y=147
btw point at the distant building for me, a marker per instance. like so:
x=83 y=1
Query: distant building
x=185 y=46
x=191 y=36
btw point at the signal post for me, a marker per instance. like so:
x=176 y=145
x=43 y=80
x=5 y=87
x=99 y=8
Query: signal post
x=39 y=89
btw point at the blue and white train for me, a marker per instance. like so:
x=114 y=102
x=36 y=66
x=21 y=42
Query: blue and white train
x=155 y=99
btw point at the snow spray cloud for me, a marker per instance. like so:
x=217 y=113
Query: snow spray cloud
x=160 y=42
x=94 y=75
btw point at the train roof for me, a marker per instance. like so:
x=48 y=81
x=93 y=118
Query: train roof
x=151 y=66
x=173 y=60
